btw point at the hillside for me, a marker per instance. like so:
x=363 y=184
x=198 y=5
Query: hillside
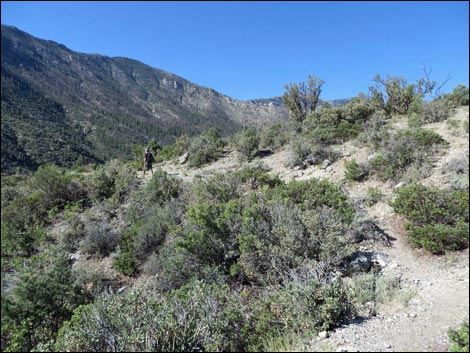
x=245 y=255
x=433 y=290
x=58 y=105
x=345 y=228
x=433 y=295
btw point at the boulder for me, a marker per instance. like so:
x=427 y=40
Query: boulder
x=325 y=163
x=184 y=158
x=360 y=264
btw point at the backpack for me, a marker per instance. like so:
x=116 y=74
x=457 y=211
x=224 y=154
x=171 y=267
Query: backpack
x=150 y=158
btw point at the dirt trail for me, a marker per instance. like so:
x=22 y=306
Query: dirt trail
x=435 y=290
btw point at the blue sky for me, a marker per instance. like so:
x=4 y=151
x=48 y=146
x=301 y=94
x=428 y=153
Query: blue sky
x=253 y=49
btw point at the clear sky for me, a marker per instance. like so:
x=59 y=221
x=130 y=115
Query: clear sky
x=252 y=49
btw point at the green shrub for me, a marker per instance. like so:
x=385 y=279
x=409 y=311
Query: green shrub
x=354 y=171
x=301 y=307
x=169 y=152
x=100 y=239
x=373 y=196
x=375 y=131
x=327 y=126
x=359 y=108
x=439 y=238
x=273 y=137
x=272 y=240
x=126 y=262
x=459 y=96
x=102 y=185
x=198 y=317
x=247 y=143
x=209 y=232
x=315 y=194
x=205 y=148
x=36 y=306
x=439 y=218
x=52 y=183
x=435 y=111
x=415 y=120
x=403 y=149
x=393 y=95
x=459 y=337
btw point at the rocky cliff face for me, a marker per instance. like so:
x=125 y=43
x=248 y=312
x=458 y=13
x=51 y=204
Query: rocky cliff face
x=104 y=104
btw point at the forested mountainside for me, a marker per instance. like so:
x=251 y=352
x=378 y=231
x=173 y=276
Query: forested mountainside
x=59 y=105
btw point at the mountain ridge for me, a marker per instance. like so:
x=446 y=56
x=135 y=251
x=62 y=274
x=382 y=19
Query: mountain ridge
x=108 y=103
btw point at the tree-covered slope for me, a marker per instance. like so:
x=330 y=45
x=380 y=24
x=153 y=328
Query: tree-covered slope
x=99 y=106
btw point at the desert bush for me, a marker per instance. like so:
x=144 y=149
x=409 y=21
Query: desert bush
x=439 y=218
x=272 y=240
x=194 y=318
x=417 y=171
x=459 y=337
x=299 y=150
x=374 y=131
x=373 y=195
x=277 y=236
x=315 y=194
x=258 y=177
x=273 y=137
x=354 y=171
x=403 y=149
x=305 y=148
x=372 y=289
x=179 y=147
x=459 y=165
x=75 y=231
x=330 y=125
x=100 y=239
x=44 y=297
x=359 y=108
x=205 y=148
x=126 y=260
x=174 y=267
x=299 y=307
x=459 y=96
x=158 y=191
x=247 y=143
x=152 y=231
x=465 y=125
x=435 y=111
x=393 y=94
x=415 y=120
x=102 y=185
x=209 y=232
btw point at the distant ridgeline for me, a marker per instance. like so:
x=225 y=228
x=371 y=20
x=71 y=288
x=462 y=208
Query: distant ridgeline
x=59 y=105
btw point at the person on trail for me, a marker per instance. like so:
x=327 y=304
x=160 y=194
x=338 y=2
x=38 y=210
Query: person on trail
x=148 y=160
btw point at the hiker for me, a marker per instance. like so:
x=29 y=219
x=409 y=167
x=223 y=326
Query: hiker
x=148 y=160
